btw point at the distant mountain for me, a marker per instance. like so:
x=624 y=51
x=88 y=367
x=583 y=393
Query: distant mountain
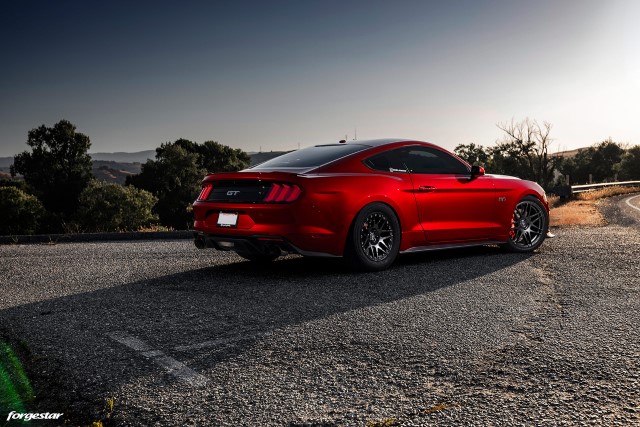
x=567 y=154
x=115 y=167
x=137 y=157
x=116 y=172
x=5 y=162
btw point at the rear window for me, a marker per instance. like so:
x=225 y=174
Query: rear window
x=311 y=156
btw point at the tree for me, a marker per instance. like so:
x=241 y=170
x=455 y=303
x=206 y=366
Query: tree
x=216 y=157
x=20 y=212
x=174 y=178
x=529 y=141
x=607 y=154
x=175 y=175
x=629 y=167
x=58 y=167
x=599 y=161
x=472 y=154
x=111 y=207
x=507 y=159
x=212 y=156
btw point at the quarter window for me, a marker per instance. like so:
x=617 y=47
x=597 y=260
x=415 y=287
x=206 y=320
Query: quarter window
x=389 y=161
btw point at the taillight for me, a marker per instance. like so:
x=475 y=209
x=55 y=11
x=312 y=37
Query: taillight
x=283 y=193
x=206 y=189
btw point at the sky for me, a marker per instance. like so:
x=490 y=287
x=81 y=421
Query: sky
x=275 y=75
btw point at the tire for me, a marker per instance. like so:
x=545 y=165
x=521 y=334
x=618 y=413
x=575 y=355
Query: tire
x=529 y=225
x=259 y=258
x=374 y=238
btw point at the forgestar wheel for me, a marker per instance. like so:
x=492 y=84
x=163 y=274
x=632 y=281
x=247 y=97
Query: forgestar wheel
x=374 y=240
x=529 y=225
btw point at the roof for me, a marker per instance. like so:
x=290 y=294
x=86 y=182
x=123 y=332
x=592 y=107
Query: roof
x=379 y=142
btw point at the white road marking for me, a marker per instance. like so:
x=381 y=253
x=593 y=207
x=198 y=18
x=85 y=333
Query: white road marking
x=129 y=341
x=629 y=202
x=219 y=342
x=181 y=371
x=172 y=366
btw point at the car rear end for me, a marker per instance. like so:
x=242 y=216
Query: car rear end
x=246 y=212
x=277 y=206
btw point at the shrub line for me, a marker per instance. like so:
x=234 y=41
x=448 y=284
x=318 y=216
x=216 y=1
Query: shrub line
x=96 y=237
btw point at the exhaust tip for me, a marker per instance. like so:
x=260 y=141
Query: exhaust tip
x=199 y=242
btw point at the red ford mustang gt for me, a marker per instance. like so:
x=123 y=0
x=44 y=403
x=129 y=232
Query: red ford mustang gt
x=366 y=201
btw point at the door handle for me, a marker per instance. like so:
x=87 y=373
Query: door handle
x=426 y=188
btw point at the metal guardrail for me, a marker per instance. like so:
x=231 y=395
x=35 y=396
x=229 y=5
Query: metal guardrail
x=588 y=187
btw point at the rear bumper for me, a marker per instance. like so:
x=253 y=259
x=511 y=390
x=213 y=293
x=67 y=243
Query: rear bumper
x=305 y=227
x=255 y=244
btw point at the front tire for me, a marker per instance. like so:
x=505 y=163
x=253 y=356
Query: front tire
x=374 y=239
x=529 y=225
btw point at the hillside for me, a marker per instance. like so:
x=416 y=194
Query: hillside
x=115 y=172
x=115 y=167
x=567 y=154
x=122 y=157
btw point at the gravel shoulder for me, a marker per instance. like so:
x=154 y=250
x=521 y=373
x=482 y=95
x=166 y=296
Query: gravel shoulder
x=462 y=337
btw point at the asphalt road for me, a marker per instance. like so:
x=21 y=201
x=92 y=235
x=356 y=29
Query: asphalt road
x=178 y=336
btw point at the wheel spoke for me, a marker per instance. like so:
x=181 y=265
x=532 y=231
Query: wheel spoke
x=376 y=236
x=527 y=224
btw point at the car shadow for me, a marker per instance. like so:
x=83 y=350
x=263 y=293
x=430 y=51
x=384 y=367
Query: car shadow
x=206 y=316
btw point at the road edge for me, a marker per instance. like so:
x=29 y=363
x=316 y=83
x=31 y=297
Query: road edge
x=96 y=237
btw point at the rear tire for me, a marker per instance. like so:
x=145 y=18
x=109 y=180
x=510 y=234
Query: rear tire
x=529 y=226
x=374 y=239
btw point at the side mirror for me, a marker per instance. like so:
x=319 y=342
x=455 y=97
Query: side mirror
x=477 y=170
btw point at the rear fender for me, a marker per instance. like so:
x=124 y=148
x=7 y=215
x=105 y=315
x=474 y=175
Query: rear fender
x=345 y=203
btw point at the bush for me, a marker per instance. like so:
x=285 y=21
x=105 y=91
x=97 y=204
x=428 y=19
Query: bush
x=112 y=207
x=20 y=212
x=175 y=175
x=629 y=167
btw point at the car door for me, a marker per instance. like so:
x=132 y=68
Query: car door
x=453 y=205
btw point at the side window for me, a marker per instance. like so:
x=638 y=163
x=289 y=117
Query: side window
x=389 y=161
x=431 y=161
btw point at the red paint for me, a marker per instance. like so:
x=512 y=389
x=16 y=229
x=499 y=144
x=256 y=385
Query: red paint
x=314 y=209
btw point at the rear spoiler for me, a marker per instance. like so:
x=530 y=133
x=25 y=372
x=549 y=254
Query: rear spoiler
x=261 y=176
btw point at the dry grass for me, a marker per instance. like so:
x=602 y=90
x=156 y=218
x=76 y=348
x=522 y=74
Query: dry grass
x=606 y=192
x=553 y=200
x=154 y=228
x=583 y=210
x=576 y=212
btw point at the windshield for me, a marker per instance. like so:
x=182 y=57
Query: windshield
x=311 y=156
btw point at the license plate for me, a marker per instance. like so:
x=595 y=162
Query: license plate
x=227 y=219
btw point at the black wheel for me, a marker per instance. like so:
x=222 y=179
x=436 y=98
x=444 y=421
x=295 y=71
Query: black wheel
x=374 y=239
x=259 y=258
x=529 y=226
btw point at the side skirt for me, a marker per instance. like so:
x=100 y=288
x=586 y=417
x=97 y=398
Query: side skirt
x=437 y=247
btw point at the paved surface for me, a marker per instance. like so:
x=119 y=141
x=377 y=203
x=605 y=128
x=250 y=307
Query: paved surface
x=622 y=210
x=179 y=336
